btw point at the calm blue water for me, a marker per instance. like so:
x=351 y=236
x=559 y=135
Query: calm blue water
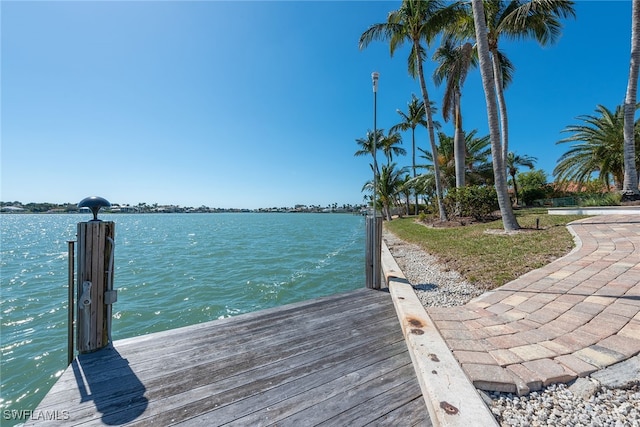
x=171 y=270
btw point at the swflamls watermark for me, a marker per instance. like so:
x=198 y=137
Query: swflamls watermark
x=35 y=415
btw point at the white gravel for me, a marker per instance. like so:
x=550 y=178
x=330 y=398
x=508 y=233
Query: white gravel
x=556 y=405
x=434 y=285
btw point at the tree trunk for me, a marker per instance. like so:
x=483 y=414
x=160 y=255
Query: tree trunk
x=432 y=137
x=387 y=211
x=630 y=185
x=413 y=165
x=508 y=218
x=502 y=105
x=515 y=189
x=459 y=148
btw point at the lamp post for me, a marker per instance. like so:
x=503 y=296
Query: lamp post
x=374 y=77
x=375 y=248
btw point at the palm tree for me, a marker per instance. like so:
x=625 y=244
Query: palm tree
x=539 y=19
x=509 y=221
x=406 y=189
x=514 y=161
x=446 y=162
x=414 y=116
x=600 y=148
x=416 y=21
x=454 y=62
x=390 y=145
x=477 y=163
x=630 y=183
x=390 y=184
x=515 y=20
x=366 y=146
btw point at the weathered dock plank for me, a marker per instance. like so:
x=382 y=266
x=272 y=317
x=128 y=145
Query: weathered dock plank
x=309 y=391
x=338 y=360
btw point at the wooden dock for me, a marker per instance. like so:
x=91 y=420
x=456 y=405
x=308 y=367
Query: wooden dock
x=334 y=361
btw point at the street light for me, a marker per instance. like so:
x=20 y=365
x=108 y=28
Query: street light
x=374 y=232
x=374 y=77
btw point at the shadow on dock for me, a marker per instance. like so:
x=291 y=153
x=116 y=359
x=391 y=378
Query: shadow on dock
x=106 y=378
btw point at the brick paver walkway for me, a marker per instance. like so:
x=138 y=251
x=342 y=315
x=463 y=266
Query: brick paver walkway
x=570 y=318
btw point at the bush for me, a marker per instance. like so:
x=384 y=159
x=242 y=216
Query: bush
x=607 y=199
x=532 y=179
x=531 y=194
x=478 y=202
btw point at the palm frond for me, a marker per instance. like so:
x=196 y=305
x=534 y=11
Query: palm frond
x=598 y=149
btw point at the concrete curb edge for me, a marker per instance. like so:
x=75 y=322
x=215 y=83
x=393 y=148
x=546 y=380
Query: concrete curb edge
x=451 y=398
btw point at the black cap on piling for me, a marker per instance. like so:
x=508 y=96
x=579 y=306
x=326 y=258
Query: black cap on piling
x=94 y=203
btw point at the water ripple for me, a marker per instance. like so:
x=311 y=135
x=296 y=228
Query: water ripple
x=170 y=271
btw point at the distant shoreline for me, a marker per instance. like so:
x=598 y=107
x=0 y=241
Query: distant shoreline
x=49 y=208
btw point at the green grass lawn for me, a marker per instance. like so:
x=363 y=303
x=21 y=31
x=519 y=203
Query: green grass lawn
x=491 y=260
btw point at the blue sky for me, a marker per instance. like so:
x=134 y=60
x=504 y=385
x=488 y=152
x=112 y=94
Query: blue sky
x=252 y=104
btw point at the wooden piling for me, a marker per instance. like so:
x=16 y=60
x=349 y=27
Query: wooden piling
x=94 y=251
x=372 y=252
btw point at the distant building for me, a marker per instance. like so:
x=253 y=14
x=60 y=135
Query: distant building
x=11 y=209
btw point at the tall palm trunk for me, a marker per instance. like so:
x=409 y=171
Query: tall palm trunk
x=413 y=167
x=515 y=189
x=459 y=145
x=630 y=185
x=509 y=221
x=432 y=136
x=502 y=106
x=407 y=200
